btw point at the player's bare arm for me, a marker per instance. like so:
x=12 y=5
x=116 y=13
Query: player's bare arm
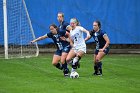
x=88 y=34
x=107 y=43
x=39 y=38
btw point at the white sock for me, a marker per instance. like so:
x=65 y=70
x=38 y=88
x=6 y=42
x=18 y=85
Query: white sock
x=73 y=70
x=75 y=60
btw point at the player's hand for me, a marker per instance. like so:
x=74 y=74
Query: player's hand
x=63 y=38
x=69 y=28
x=31 y=42
x=88 y=37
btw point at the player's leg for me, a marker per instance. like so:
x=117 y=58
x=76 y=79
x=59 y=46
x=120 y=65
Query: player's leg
x=55 y=62
x=63 y=59
x=65 y=52
x=70 y=56
x=99 y=58
x=64 y=63
x=99 y=63
x=79 y=53
x=77 y=58
x=95 y=65
x=56 y=59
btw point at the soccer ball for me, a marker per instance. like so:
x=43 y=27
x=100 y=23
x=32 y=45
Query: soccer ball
x=74 y=75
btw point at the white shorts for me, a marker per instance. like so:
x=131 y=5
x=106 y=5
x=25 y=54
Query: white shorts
x=77 y=49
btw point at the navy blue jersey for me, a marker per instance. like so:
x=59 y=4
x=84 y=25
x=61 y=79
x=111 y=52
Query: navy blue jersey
x=60 y=44
x=62 y=27
x=98 y=37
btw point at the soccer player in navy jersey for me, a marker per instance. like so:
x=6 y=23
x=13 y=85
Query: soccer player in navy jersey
x=62 y=27
x=62 y=23
x=63 y=47
x=102 y=46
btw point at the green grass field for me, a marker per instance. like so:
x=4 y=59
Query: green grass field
x=37 y=75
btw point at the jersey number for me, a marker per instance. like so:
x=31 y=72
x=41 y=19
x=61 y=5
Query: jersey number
x=60 y=46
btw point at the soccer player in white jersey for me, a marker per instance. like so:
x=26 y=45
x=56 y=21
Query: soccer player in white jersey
x=77 y=41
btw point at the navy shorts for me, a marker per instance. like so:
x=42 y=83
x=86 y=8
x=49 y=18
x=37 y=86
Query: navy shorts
x=58 y=52
x=105 y=51
x=65 y=49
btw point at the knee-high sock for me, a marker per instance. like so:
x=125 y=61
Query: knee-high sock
x=95 y=68
x=59 y=66
x=99 y=64
x=76 y=59
x=75 y=62
x=65 y=65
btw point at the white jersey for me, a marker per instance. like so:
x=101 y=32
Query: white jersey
x=77 y=37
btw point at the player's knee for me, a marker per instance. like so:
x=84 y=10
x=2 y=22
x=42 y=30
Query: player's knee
x=63 y=61
x=97 y=60
x=79 y=57
x=54 y=63
x=68 y=60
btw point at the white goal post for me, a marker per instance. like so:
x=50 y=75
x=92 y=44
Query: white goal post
x=16 y=30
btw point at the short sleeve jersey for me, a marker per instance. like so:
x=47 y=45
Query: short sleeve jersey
x=77 y=36
x=62 y=27
x=98 y=37
x=60 y=44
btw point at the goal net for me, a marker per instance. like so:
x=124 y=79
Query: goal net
x=16 y=30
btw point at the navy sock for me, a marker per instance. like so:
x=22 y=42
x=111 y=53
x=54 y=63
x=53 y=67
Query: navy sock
x=58 y=65
x=65 y=70
x=95 y=68
x=99 y=64
x=64 y=65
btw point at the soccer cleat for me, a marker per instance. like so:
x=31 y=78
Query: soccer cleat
x=66 y=75
x=97 y=74
x=94 y=73
x=100 y=71
x=66 y=72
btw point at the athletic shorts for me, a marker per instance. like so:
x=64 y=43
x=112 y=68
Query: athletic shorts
x=79 y=49
x=58 y=52
x=65 y=49
x=105 y=51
